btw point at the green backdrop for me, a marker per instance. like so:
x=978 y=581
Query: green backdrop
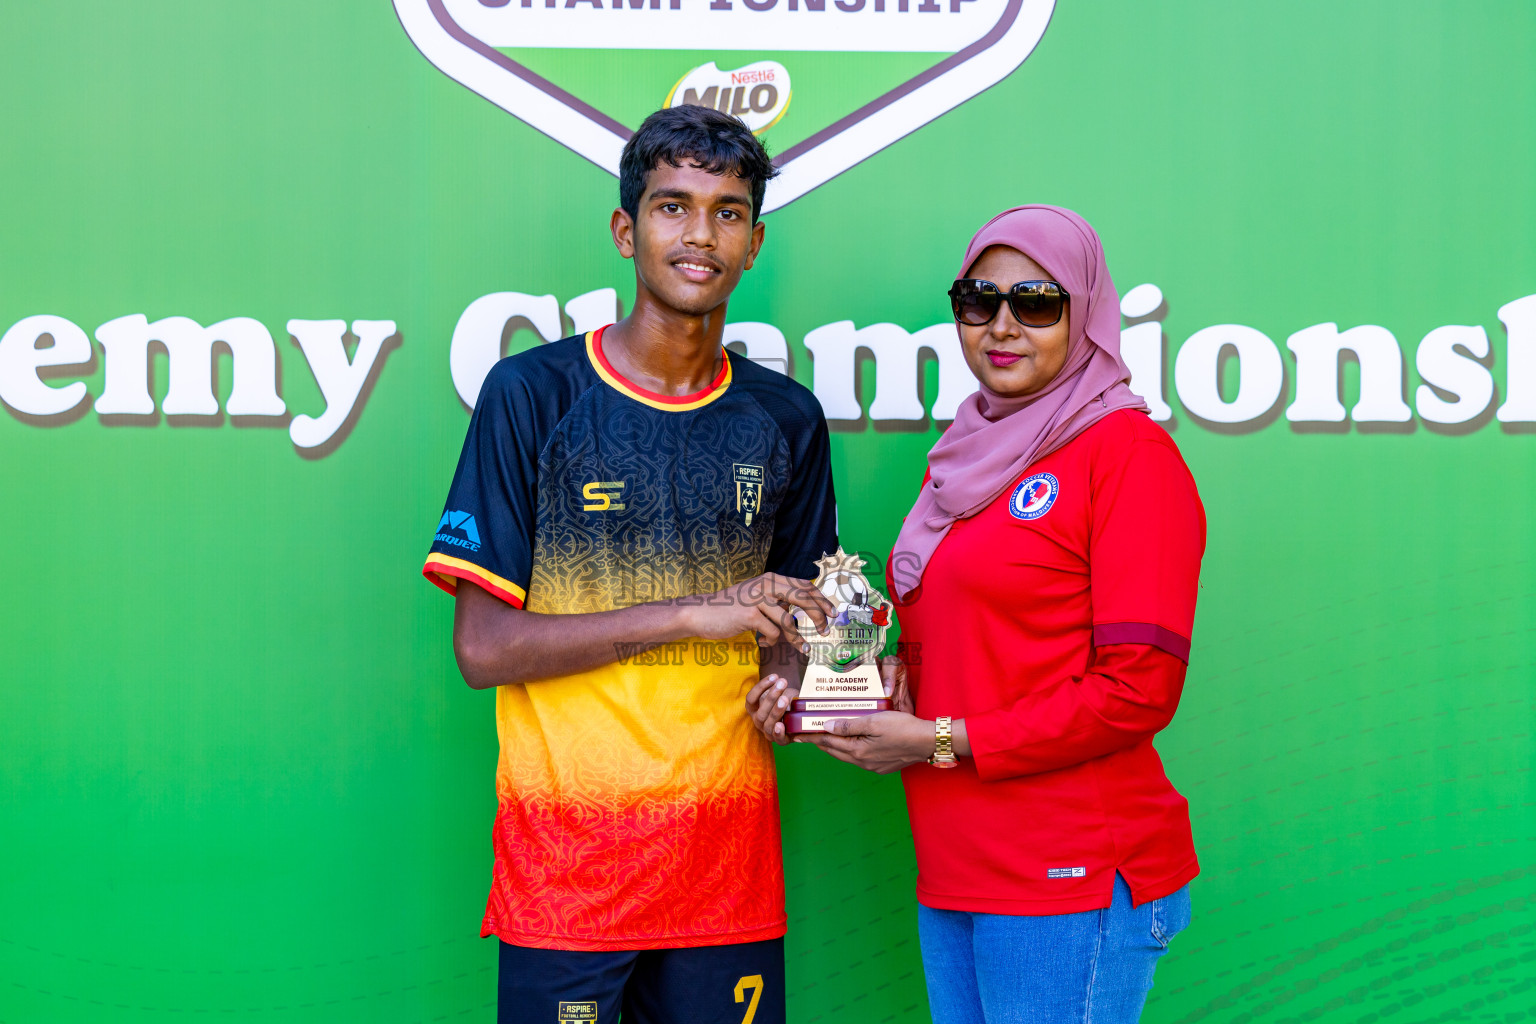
x=241 y=777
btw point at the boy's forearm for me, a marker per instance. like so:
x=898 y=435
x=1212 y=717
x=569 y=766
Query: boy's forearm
x=496 y=644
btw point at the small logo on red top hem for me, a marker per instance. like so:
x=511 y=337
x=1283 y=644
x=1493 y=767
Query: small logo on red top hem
x=1034 y=497
x=1066 y=872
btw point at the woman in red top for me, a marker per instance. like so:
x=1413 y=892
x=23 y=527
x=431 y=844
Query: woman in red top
x=1045 y=581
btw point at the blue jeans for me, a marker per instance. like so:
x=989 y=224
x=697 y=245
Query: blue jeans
x=1089 y=968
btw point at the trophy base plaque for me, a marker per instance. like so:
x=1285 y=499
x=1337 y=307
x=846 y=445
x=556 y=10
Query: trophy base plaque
x=813 y=715
x=827 y=693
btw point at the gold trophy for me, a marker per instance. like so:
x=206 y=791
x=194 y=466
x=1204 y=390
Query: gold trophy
x=841 y=679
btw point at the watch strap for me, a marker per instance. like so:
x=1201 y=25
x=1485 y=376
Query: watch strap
x=943 y=743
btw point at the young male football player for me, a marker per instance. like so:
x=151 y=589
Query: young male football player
x=629 y=509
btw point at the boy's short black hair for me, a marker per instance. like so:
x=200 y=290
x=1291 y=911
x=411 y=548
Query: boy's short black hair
x=719 y=143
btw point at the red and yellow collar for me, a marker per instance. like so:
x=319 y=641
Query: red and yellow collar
x=667 y=403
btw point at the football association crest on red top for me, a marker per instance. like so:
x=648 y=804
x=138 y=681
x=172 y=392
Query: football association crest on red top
x=866 y=72
x=1034 y=496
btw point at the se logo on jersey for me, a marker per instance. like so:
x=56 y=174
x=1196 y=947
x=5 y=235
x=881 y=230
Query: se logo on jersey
x=1034 y=497
x=600 y=495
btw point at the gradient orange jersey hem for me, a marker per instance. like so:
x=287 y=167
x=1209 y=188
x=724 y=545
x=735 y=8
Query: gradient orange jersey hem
x=613 y=945
x=578 y=866
x=445 y=571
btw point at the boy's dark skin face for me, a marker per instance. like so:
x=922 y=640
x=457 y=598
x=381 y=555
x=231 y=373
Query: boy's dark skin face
x=691 y=242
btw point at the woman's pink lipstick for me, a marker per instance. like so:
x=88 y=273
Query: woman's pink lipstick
x=1000 y=358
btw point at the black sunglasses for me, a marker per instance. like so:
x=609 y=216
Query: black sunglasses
x=1034 y=303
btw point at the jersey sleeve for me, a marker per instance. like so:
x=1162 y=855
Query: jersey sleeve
x=806 y=526
x=486 y=531
x=1148 y=535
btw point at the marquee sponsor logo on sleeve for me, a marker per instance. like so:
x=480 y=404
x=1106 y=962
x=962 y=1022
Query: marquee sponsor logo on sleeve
x=918 y=59
x=1034 y=497
x=459 y=530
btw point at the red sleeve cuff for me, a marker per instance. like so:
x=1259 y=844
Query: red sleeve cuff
x=1147 y=633
x=445 y=571
x=980 y=731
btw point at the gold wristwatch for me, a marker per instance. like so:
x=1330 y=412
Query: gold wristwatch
x=943 y=745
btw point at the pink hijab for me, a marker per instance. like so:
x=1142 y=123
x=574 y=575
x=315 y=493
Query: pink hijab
x=994 y=439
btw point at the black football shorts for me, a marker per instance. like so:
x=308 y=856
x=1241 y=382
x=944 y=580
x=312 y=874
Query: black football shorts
x=736 y=984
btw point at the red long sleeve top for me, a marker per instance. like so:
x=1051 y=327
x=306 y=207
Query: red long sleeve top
x=1056 y=622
